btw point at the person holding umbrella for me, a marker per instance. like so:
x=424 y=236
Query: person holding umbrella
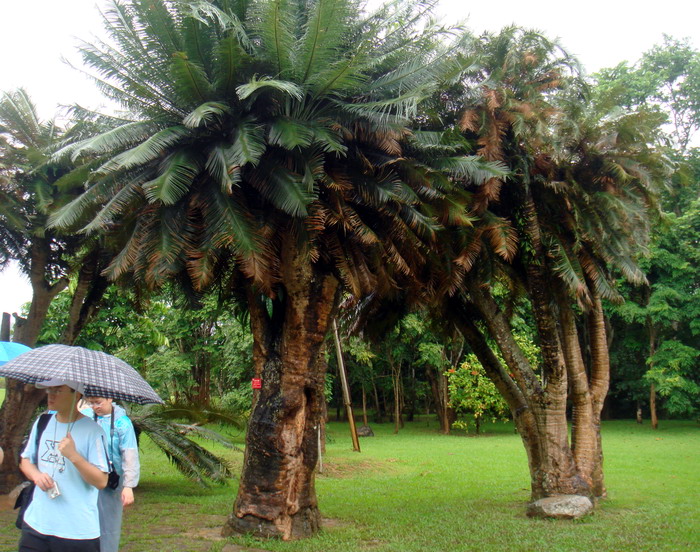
x=124 y=455
x=69 y=466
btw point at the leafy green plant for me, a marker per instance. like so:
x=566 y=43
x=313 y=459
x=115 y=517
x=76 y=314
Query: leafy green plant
x=473 y=394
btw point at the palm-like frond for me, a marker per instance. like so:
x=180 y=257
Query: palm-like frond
x=191 y=459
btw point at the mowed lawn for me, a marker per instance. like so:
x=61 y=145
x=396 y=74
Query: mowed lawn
x=419 y=491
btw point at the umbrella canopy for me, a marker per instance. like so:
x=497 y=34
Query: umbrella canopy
x=103 y=375
x=9 y=350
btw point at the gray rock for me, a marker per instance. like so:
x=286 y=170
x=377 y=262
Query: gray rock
x=365 y=431
x=561 y=507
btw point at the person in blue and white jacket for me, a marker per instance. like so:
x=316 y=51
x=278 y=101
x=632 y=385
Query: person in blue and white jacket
x=124 y=454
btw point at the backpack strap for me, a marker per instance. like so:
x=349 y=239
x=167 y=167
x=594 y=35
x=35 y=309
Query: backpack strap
x=40 y=427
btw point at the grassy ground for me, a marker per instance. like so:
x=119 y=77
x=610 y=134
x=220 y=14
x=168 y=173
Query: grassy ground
x=419 y=491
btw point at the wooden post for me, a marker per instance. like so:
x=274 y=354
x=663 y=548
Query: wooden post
x=5 y=329
x=346 y=390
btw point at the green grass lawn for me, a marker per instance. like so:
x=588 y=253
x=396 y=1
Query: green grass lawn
x=419 y=491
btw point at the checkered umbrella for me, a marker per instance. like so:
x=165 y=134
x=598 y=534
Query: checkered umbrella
x=103 y=375
x=9 y=350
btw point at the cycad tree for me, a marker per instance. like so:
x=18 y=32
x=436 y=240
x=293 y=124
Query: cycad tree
x=264 y=141
x=577 y=207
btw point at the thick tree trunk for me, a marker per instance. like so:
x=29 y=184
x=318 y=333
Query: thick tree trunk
x=87 y=297
x=600 y=383
x=276 y=495
x=584 y=441
x=559 y=473
x=552 y=466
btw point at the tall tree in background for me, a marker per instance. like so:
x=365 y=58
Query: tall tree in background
x=31 y=187
x=265 y=142
x=665 y=80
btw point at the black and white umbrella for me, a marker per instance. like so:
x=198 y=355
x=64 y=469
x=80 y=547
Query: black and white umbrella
x=103 y=375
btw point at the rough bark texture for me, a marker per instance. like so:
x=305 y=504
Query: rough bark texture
x=276 y=496
x=600 y=383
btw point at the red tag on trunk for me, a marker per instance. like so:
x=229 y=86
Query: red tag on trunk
x=257 y=383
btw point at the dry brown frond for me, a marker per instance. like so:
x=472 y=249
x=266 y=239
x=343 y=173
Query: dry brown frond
x=503 y=238
x=467 y=257
x=493 y=99
x=469 y=121
x=529 y=58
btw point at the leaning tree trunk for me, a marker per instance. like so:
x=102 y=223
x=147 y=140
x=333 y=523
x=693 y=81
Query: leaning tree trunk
x=552 y=466
x=599 y=383
x=558 y=473
x=276 y=495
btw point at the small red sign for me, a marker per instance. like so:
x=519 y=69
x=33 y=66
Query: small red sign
x=257 y=383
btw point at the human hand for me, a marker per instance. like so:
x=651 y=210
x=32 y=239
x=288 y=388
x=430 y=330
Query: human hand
x=67 y=447
x=127 y=496
x=43 y=481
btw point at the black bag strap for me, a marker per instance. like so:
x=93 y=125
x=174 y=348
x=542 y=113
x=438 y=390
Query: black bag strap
x=111 y=439
x=40 y=427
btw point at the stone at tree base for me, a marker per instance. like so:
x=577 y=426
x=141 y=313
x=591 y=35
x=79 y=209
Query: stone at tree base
x=561 y=507
x=365 y=431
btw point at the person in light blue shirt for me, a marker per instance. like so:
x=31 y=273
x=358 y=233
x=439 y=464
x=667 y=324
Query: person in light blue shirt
x=123 y=452
x=69 y=466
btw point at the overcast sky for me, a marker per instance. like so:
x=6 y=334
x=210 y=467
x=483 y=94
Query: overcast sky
x=36 y=34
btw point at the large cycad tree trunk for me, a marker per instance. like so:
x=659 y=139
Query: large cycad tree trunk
x=276 y=496
x=557 y=465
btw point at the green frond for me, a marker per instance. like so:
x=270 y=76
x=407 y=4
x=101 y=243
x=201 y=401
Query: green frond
x=254 y=85
x=285 y=190
x=192 y=460
x=328 y=139
x=71 y=213
x=248 y=146
x=217 y=166
x=151 y=149
x=290 y=134
x=322 y=37
x=113 y=140
x=19 y=118
x=472 y=168
x=230 y=63
x=275 y=25
x=567 y=267
x=121 y=203
x=190 y=80
x=179 y=171
x=231 y=225
x=206 y=114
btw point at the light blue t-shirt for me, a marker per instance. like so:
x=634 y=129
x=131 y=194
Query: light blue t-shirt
x=73 y=514
x=123 y=449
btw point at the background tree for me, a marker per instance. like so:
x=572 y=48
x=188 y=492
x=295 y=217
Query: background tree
x=654 y=324
x=31 y=187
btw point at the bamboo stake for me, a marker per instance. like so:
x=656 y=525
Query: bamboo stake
x=346 y=390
